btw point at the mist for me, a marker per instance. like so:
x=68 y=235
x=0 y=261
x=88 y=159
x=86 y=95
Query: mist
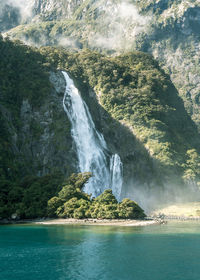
x=24 y=7
x=118 y=27
x=156 y=197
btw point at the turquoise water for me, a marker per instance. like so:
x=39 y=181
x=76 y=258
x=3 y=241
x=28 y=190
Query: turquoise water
x=71 y=252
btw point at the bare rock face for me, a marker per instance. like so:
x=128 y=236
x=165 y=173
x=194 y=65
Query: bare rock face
x=14 y=13
x=55 y=10
x=43 y=142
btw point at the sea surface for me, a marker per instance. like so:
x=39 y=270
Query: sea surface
x=74 y=252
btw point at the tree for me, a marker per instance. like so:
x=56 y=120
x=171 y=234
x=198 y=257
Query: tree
x=53 y=205
x=192 y=167
x=75 y=208
x=129 y=209
x=104 y=206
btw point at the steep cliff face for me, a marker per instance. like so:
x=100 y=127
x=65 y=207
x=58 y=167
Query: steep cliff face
x=174 y=41
x=35 y=136
x=55 y=10
x=41 y=142
x=44 y=139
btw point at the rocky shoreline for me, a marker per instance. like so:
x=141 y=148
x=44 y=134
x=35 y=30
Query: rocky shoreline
x=108 y=222
x=175 y=217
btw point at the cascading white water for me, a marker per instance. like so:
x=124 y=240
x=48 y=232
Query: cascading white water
x=116 y=171
x=90 y=145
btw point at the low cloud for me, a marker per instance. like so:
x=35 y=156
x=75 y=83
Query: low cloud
x=118 y=26
x=25 y=7
x=67 y=42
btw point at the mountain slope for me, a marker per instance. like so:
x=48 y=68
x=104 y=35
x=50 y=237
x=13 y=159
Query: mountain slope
x=132 y=102
x=167 y=29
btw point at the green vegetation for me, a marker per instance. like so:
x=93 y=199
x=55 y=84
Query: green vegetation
x=28 y=197
x=23 y=75
x=89 y=24
x=24 y=71
x=72 y=202
x=192 y=167
x=135 y=91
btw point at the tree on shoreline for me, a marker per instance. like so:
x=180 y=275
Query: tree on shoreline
x=73 y=202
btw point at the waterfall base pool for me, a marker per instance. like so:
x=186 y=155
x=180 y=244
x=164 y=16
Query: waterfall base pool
x=74 y=252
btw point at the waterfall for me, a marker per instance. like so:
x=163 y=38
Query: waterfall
x=116 y=171
x=92 y=152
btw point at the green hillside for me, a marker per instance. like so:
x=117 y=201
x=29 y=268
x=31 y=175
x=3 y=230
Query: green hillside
x=169 y=30
x=136 y=99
